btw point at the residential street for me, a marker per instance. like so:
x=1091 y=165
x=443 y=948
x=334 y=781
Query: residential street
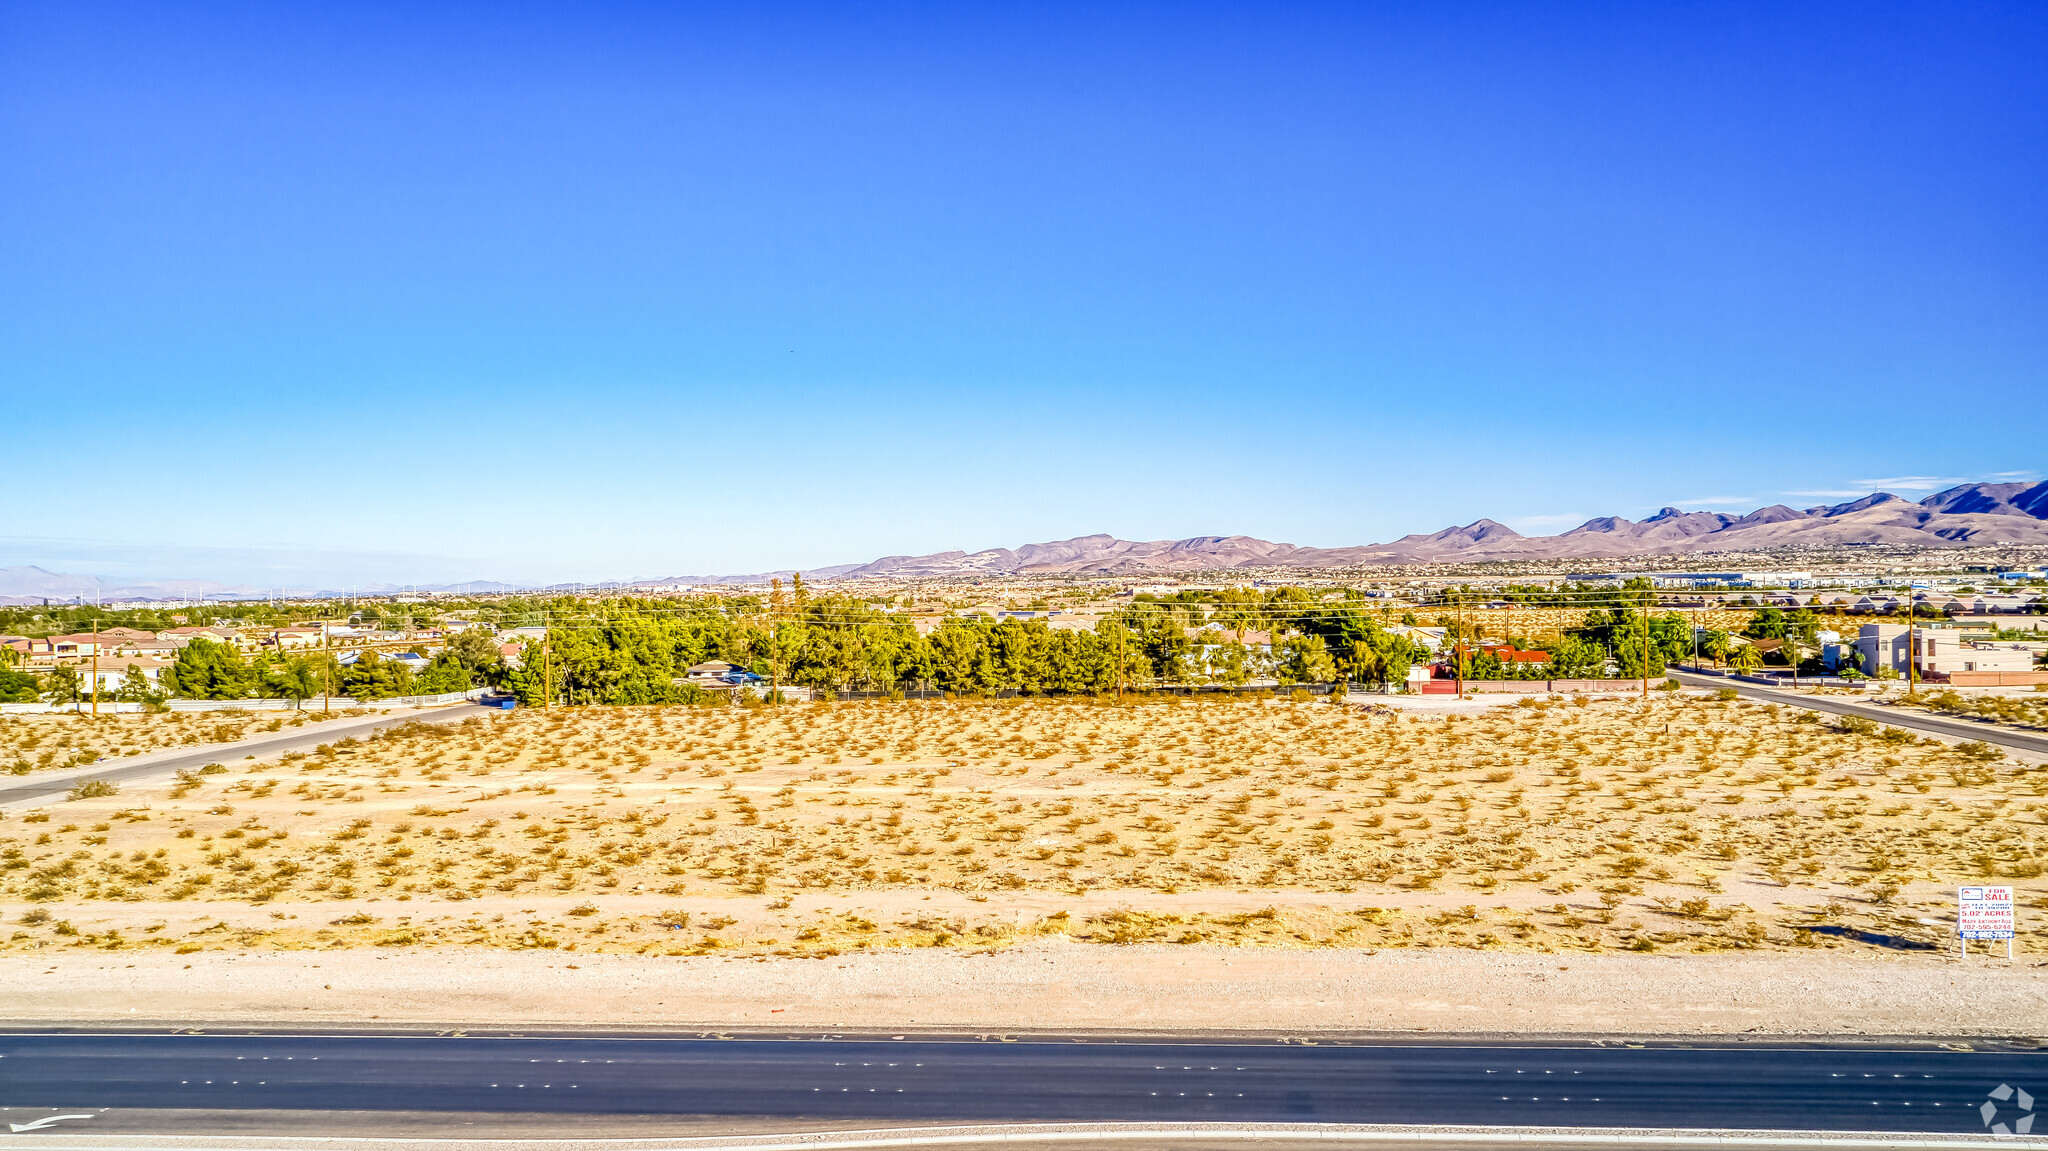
x=44 y=787
x=1897 y=717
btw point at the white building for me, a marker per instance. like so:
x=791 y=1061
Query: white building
x=1935 y=651
x=112 y=672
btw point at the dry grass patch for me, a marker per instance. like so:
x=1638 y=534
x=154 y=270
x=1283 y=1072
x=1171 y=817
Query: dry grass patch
x=51 y=740
x=1552 y=825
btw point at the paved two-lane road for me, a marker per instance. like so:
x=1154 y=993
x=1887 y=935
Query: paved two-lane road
x=43 y=787
x=1897 y=717
x=1833 y=1088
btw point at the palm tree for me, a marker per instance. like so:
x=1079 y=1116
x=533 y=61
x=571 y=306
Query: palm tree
x=1747 y=659
x=297 y=681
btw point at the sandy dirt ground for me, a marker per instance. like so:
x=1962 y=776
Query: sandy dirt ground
x=1552 y=826
x=39 y=741
x=1564 y=863
x=1050 y=985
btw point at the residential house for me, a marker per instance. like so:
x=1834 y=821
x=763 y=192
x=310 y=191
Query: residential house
x=295 y=637
x=1261 y=641
x=113 y=672
x=1207 y=642
x=1936 y=653
x=185 y=635
x=1431 y=638
x=126 y=635
x=113 y=641
x=81 y=645
x=139 y=643
x=718 y=675
x=1882 y=646
x=1991 y=655
x=2024 y=622
x=1509 y=657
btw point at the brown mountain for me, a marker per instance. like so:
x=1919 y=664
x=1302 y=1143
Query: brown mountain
x=1974 y=514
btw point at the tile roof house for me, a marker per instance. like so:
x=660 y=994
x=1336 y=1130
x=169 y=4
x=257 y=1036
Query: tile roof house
x=113 y=672
x=184 y=635
x=1262 y=640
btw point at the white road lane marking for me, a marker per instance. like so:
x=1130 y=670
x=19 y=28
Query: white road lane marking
x=39 y=1124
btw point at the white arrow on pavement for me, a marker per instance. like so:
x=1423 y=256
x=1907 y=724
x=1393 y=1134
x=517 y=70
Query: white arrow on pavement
x=39 y=1124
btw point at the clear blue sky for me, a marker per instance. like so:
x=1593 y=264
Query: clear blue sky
x=364 y=292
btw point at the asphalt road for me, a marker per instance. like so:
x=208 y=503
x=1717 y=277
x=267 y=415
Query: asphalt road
x=43 y=787
x=1832 y=1088
x=1897 y=717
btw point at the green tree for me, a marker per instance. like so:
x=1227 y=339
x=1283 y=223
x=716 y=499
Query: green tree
x=297 y=680
x=1714 y=645
x=209 y=670
x=136 y=688
x=443 y=675
x=1629 y=654
x=1306 y=659
x=17 y=686
x=1572 y=657
x=1364 y=663
x=1803 y=626
x=1747 y=659
x=1672 y=635
x=1229 y=664
x=1484 y=665
x=373 y=677
x=63 y=685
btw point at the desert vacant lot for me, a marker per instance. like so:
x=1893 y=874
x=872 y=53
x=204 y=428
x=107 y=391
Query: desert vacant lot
x=34 y=742
x=1569 y=825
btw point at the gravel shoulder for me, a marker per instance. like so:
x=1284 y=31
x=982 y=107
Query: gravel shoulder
x=1050 y=986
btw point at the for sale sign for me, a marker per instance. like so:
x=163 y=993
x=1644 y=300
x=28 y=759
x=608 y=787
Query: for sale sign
x=1984 y=912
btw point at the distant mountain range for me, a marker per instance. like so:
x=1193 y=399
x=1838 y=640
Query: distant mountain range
x=20 y=586
x=1971 y=514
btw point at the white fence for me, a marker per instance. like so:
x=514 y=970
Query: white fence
x=337 y=703
x=45 y=708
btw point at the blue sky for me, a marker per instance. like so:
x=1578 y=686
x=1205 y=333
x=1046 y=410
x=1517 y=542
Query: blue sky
x=347 y=293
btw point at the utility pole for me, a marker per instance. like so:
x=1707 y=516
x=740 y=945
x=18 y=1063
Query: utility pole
x=326 y=669
x=1458 y=647
x=1791 y=648
x=1120 y=661
x=1647 y=596
x=1699 y=619
x=1912 y=639
x=547 y=666
x=95 y=669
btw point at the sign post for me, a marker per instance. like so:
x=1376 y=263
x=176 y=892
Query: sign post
x=1984 y=913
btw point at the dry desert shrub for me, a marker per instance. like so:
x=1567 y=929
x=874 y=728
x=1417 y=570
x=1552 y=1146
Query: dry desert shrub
x=1584 y=824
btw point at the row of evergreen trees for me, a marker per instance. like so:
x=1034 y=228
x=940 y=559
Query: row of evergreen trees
x=638 y=651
